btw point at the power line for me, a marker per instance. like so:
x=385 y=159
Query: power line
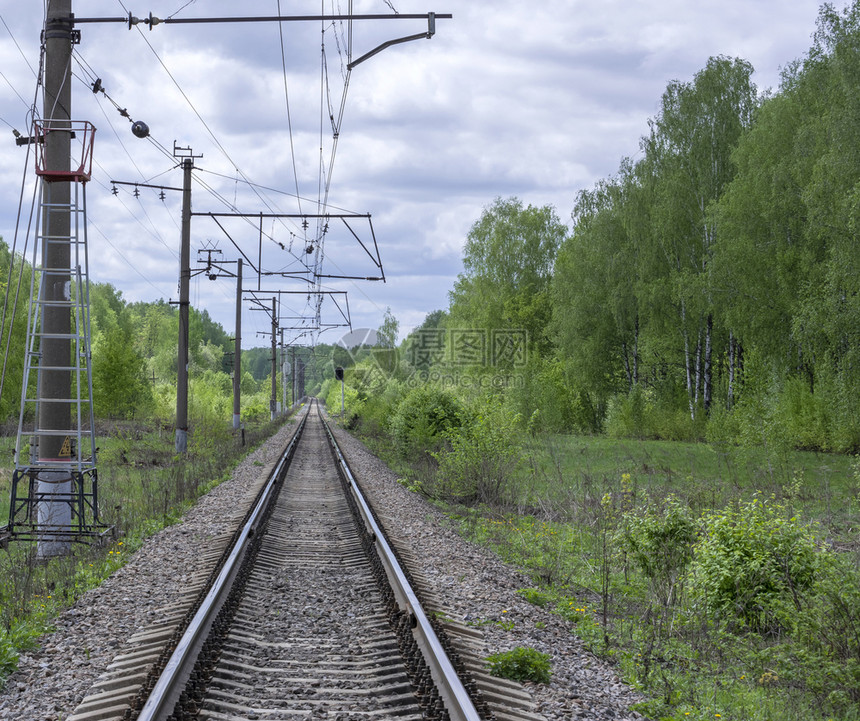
x=26 y=60
x=107 y=118
x=208 y=129
x=13 y=250
x=326 y=169
x=289 y=114
x=131 y=265
x=14 y=90
x=94 y=83
x=172 y=15
x=229 y=205
x=151 y=231
x=268 y=188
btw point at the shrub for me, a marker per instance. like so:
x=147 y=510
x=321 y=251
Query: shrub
x=423 y=418
x=351 y=398
x=660 y=543
x=756 y=414
x=256 y=408
x=8 y=654
x=825 y=656
x=654 y=412
x=483 y=458
x=521 y=664
x=754 y=565
x=375 y=411
x=554 y=397
x=804 y=414
x=625 y=414
x=535 y=596
x=722 y=429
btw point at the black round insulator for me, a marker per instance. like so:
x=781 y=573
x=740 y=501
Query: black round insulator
x=140 y=129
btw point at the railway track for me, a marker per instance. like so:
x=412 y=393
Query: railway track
x=308 y=612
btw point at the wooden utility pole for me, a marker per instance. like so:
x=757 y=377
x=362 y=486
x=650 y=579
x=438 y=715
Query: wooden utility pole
x=237 y=352
x=55 y=382
x=184 y=300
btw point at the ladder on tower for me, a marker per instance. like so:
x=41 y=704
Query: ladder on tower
x=55 y=481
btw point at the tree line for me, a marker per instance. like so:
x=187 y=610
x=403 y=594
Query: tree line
x=707 y=289
x=134 y=357
x=710 y=288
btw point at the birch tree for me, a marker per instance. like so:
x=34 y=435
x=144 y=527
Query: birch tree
x=690 y=145
x=507 y=269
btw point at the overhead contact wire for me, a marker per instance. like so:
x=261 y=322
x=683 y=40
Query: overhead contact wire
x=289 y=113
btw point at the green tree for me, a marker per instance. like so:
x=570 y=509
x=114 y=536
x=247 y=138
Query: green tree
x=15 y=278
x=120 y=388
x=507 y=271
x=787 y=266
x=594 y=301
x=690 y=146
x=387 y=334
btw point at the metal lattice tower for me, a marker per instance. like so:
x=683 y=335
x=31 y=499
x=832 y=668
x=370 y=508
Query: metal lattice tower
x=55 y=482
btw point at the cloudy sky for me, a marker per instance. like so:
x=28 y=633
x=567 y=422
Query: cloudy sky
x=529 y=99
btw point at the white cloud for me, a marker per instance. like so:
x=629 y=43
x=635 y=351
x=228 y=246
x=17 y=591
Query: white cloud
x=536 y=100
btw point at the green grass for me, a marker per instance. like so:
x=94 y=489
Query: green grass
x=823 y=487
x=563 y=530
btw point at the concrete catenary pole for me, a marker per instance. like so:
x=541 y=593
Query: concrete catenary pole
x=293 y=380
x=237 y=352
x=273 y=404
x=184 y=300
x=55 y=382
x=284 y=405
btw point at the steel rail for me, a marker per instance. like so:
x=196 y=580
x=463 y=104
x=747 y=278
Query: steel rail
x=170 y=683
x=454 y=695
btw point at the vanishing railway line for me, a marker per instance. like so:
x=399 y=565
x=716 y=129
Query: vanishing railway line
x=307 y=614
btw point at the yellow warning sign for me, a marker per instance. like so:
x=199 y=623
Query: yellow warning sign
x=66 y=450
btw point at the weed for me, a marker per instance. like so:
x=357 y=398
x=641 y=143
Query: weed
x=535 y=596
x=521 y=664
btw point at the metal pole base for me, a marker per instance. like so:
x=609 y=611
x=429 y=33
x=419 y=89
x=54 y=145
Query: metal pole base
x=54 y=515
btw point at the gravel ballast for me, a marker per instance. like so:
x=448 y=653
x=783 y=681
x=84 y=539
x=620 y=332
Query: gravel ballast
x=477 y=587
x=473 y=584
